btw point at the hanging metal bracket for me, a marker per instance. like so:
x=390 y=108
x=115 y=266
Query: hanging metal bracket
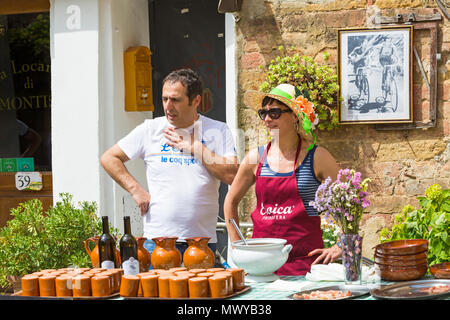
x=419 y=22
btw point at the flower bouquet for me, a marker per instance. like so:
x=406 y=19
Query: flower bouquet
x=345 y=200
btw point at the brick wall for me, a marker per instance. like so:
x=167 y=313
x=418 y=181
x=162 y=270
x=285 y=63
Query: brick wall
x=402 y=164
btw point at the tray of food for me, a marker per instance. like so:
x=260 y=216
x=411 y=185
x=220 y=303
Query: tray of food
x=417 y=289
x=337 y=292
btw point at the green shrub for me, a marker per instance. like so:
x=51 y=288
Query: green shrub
x=318 y=81
x=430 y=221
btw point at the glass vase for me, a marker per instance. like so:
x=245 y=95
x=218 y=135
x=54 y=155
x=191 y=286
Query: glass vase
x=351 y=245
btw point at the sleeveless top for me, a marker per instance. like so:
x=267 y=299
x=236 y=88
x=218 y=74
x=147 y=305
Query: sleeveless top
x=307 y=182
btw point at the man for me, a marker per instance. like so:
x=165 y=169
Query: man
x=186 y=156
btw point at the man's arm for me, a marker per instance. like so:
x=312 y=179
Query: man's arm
x=113 y=161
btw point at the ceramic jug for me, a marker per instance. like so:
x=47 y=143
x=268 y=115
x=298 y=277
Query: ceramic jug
x=198 y=255
x=94 y=253
x=165 y=255
x=143 y=255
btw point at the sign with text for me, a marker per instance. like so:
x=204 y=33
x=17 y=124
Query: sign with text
x=29 y=181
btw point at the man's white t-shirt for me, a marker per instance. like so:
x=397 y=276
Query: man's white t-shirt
x=184 y=195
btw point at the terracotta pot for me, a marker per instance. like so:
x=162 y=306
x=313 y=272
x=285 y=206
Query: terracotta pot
x=94 y=252
x=143 y=255
x=30 y=285
x=198 y=254
x=165 y=255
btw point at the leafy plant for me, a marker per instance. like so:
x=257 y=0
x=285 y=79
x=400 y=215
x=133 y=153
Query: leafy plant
x=319 y=81
x=34 y=240
x=430 y=221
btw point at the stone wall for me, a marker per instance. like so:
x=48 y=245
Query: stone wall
x=401 y=163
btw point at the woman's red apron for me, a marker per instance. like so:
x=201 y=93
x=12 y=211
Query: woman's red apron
x=280 y=213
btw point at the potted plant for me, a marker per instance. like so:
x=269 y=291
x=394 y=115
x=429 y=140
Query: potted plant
x=35 y=240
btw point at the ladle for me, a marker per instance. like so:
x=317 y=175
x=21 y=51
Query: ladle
x=238 y=231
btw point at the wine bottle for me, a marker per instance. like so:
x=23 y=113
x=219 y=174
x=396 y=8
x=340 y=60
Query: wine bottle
x=128 y=250
x=106 y=247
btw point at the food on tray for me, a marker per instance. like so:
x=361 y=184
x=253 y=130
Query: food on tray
x=323 y=295
x=436 y=289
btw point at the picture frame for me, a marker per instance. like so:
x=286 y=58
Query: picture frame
x=375 y=75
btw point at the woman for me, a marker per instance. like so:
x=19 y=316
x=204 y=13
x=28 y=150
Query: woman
x=286 y=173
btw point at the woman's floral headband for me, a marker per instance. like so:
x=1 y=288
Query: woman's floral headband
x=310 y=118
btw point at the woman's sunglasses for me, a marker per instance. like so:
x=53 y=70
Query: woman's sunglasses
x=274 y=113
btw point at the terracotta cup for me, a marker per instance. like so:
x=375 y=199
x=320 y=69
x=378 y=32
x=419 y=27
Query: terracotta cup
x=178 y=287
x=205 y=274
x=163 y=286
x=101 y=285
x=197 y=270
x=229 y=275
x=177 y=269
x=218 y=286
x=63 y=285
x=149 y=285
x=185 y=274
x=110 y=276
x=215 y=269
x=81 y=286
x=238 y=278
x=115 y=279
x=198 y=287
x=47 y=286
x=129 y=286
x=30 y=285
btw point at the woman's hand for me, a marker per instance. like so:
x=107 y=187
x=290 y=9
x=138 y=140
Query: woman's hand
x=326 y=256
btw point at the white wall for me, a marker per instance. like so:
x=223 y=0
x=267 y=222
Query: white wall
x=75 y=100
x=124 y=24
x=88 y=38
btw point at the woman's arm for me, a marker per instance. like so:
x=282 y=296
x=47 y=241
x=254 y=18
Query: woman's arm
x=244 y=179
x=325 y=165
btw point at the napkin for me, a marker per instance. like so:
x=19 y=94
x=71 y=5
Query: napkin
x=335 y=272
x=285 y=285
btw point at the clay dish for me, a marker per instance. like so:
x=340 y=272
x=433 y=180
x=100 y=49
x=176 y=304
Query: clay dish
x=392 y=273
x=402 y=247
x=405 y=260
x=441 y=270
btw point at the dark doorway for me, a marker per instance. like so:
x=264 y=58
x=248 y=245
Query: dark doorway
x=191 y=33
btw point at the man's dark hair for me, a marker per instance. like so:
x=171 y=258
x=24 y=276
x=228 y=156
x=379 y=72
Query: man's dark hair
x=189 y=79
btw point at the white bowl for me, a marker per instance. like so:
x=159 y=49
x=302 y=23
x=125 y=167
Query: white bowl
x=261 y=257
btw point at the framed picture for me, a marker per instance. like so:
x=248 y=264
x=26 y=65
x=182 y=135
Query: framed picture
x=375 y=75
